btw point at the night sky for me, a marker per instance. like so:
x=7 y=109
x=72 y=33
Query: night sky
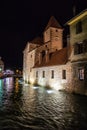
x=21 y=21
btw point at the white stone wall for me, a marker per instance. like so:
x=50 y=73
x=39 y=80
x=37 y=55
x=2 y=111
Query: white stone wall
x=57 y=82
x=28 y=60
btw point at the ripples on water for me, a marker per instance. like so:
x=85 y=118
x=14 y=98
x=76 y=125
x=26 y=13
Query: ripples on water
x=24 y=107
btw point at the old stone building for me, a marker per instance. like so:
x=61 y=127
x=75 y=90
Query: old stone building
x=1 y=67
x=78 y=58
x=47 y=63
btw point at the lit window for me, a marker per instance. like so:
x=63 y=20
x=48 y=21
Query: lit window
x=81 y=73
x=63 y=74
x=43 y=74
x=52 y=74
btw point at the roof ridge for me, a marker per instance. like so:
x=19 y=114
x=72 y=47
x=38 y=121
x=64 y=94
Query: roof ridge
x=53 y=23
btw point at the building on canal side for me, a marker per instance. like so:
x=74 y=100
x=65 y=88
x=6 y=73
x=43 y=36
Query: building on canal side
x=78 y=57
x=1 y=67
x=47 y=62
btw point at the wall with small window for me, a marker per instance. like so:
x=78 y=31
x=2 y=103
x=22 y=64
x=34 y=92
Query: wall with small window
x=63 y=74
x=81 y=73
x=57 y=77
x=78 y=27
x=79 y=77
x=78 y=30
x=80 y=47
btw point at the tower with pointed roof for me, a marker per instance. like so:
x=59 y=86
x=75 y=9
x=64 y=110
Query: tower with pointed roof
x=53 y=34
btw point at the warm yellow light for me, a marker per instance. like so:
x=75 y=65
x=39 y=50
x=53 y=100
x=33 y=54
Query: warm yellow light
x=17 y=71
x=78 y=17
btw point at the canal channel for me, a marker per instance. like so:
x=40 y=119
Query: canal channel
x=26 y=107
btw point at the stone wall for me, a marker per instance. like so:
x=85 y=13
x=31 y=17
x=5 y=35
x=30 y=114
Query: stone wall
x=57 y=82
x=81 y=36
x=79 y=84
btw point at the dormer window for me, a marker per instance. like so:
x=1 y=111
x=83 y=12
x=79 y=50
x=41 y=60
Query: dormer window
x=79 y=27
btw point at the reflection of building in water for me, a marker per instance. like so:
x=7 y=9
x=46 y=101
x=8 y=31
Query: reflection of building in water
x=1 y=91
x=16 y=84
x=1 y=67
x=8 y=83
x=48 y=63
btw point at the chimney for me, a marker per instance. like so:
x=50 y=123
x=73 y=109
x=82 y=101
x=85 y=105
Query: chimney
x=74 y=7
x=40 y=58
x=47 y=55
x=74 y=10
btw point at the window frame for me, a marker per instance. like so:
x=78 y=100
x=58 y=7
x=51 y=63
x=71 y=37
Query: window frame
x=63 y=74
x=81 y=74
x=43 y=74
x=79 y=27
x=52 y=74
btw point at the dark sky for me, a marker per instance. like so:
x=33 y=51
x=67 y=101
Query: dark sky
x=21 y=21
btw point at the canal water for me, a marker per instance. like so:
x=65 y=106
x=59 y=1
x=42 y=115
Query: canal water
x=24 y=107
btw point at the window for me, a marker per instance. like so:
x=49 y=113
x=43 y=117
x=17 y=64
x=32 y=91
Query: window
x=79 y=27
x=85 y=45
x=52 y=74
x=78 y=48
x=63 y=74
x=43 y=74
x=81 y=73
x=36 y=74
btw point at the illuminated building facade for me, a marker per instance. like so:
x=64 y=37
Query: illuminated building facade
x=78 y=58
x=1 y=67
x=47 y=63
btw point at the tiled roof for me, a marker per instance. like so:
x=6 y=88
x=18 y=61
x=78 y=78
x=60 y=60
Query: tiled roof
x=53 y=23
x=37 y=40
x=57 y=58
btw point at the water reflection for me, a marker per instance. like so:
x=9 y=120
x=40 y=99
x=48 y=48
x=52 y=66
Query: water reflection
x=1 y=92
x=35 y=108
x=16 y=85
